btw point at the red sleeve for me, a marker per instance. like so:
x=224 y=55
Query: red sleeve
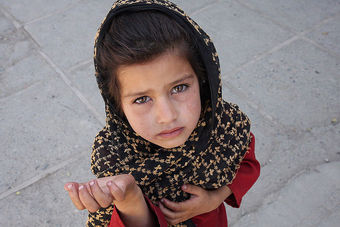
x=117 y=222
x=246 y=176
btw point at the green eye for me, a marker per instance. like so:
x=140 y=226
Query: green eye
x=179 y=88
x=142 y=100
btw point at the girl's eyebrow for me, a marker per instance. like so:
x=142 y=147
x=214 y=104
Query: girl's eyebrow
x=141 y=93
x=189 y=76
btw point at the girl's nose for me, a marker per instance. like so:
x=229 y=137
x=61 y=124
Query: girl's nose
x=165 y=111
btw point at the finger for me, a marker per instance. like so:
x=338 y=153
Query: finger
x=192 y=189
x=102 y=183
x=116 y=191
x=123 y=182
x=171 y=217
x=169 y=214
x=173 y=205
x=102 y=198
x=72 y=189
x=87 y=185
x=89 y=202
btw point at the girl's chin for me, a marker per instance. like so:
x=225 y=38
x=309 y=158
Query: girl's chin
x=170 y=144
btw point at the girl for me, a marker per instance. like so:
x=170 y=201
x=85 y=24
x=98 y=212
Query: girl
x=171 y=147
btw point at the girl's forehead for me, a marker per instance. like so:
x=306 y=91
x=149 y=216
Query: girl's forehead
x=164 y=70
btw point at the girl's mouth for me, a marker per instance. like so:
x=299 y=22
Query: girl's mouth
x=171 y=133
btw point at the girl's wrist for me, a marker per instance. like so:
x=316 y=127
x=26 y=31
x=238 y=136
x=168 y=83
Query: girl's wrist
x=134 y=210
x=133 y=196
x=221 y=194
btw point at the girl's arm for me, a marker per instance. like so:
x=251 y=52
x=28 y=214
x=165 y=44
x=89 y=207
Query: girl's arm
x=133 y=209
x=232 y=194
x=246 y=176
x=201 y=201
x=116 y=220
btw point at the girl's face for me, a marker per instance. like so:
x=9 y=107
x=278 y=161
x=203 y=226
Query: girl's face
x=161 y=99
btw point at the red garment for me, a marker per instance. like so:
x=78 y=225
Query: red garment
x=246 y=176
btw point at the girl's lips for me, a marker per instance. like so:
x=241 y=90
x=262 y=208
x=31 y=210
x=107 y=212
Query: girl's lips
x=171 y=133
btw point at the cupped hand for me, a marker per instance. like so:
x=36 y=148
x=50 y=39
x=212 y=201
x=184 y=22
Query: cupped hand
x=100 y=192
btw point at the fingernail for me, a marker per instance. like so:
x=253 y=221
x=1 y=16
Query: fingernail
x=109 y=183
x=92 y=183
x=69 y=186
x=184 y=187
x=162 y=200
x=81 y=187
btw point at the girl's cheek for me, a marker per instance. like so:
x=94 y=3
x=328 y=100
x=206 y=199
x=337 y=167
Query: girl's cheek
x=194 y=108
x=136 y=114
x=191 y=99
x=140 y=122
x=139 y=109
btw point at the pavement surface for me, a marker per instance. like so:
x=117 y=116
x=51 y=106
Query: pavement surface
x=280 y=62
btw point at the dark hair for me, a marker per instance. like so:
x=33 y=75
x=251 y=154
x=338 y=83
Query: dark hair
x=137 y=37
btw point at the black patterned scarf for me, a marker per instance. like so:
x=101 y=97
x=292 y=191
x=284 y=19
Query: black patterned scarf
x=210 y=157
